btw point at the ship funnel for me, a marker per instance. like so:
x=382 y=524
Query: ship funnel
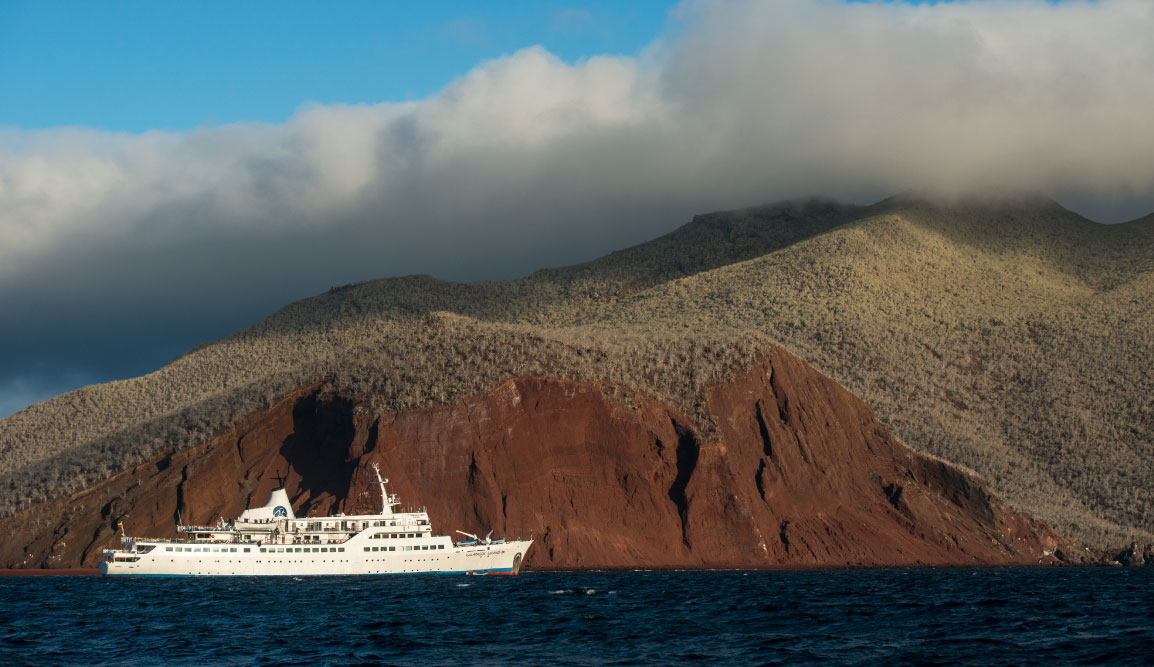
x=278 y=507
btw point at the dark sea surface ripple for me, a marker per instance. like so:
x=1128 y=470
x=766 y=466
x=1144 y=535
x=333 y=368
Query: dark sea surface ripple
x=996 y=616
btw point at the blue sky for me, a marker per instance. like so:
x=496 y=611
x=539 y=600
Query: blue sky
x=134 y=66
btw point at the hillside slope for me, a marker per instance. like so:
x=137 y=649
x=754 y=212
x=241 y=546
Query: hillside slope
x=799 y=474
x=1012 y=337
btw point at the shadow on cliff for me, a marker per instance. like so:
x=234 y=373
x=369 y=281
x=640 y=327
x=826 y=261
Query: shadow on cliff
x=319 y=452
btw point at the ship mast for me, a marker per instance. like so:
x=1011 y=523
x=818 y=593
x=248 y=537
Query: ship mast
x=386 y=502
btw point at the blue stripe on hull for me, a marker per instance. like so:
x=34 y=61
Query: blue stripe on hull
x=496 y=570
x=126 y=574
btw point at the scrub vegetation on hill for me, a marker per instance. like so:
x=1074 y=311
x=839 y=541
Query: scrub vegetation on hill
x=1013 y=338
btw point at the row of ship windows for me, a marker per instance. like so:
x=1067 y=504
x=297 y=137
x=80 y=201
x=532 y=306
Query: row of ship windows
x=271 y=550
x=273 y=562
x=289 y=550
x=344 y=525
x=290 y=562
x=392 y=536
x=412 y=548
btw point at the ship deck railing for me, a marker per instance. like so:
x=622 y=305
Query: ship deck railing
x=168 y=540
x=255 y=543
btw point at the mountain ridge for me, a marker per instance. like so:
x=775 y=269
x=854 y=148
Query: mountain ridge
x=976 y=297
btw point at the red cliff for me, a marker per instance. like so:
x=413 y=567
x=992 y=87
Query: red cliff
x=799 y=473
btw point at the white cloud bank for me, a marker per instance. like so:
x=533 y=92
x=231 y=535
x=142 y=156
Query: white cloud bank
x=751 y=101
x=528 y=161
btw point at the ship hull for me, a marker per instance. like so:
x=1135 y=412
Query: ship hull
x=277 y=560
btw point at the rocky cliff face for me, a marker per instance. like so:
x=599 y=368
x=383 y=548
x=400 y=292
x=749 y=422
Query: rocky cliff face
x=801 y=474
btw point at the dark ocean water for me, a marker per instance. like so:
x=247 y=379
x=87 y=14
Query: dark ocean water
x=1007 y=616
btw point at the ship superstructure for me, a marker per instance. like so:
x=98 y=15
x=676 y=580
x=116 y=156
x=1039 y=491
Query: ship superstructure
x=272 y=540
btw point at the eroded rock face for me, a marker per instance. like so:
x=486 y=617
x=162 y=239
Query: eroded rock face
x=801 y=474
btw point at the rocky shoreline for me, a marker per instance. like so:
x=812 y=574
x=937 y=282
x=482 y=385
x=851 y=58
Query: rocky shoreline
x=1124 y=558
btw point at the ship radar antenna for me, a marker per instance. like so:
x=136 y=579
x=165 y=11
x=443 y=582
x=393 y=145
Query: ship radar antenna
x=280 y=480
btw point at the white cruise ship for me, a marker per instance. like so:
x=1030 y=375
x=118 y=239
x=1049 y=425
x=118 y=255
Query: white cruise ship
x=271 y=540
